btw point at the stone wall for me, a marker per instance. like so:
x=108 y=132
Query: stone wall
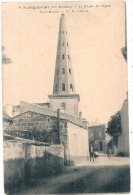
x=25 y=163
x=24 y=107
x=56 y=132
x=17 y=150
x=30 y=120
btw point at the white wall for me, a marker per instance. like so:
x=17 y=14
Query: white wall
x=123 y=140
x=77 y=140
x=71 y=105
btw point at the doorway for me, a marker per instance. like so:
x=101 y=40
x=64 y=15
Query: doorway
x=100 y=146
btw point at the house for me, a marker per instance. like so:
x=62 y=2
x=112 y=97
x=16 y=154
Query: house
x=97 y=137
x=123 y=139
x=51 y=130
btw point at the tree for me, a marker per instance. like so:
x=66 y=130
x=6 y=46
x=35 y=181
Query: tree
x=124 y=52
x=5 y=59
x=114 y=127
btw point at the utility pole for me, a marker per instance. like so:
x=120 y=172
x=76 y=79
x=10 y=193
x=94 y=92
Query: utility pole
x=58 y=124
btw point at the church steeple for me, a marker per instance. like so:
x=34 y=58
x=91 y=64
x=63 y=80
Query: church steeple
x=64 y=96
x=63 y=79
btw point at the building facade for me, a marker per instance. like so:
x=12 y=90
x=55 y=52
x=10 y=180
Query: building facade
x=97 y=137
x=123 y=139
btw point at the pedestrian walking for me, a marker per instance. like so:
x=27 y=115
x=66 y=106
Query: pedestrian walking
x=109 y=152
x=91 y=151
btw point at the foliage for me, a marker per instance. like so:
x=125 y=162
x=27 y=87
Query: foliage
x=113 y=143
x=114 y=125
x=42 y=136
x=110 y=144
x=33 y=134
x=124 y=52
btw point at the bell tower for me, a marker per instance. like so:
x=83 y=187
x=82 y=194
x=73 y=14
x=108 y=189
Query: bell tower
x=64 y=96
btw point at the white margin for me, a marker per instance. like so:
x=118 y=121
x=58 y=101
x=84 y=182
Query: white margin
x=129 y=4
x=1 y=128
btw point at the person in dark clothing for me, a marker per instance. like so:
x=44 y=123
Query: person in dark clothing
x=91 y=151
x=109 y=153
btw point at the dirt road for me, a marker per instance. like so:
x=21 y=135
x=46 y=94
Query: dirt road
x=98 y=177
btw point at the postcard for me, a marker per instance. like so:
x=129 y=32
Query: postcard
x=65 y=97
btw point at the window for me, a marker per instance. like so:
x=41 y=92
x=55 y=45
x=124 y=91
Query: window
x=69 y=71
x=63 y=106
x=56 y=87
x=71 y=87
x=68 y=57
x=63 y=57
x=100 y=146
x=63 y=70
x=100 y=134
x=62 y=43
x=63 y=87
x=91 y=135
x=67 y=44
x=57 y=71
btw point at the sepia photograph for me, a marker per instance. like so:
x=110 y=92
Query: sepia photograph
x=65 y=98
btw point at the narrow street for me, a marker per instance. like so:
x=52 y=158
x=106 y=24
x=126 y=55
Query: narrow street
x=101 y=176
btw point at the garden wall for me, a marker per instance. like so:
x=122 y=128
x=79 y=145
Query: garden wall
x=26 y=163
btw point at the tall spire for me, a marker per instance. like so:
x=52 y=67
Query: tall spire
x=64 y=96
x=63 y=79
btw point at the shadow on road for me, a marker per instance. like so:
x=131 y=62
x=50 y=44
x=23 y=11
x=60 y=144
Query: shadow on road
x=100 y=180
x=86 y=179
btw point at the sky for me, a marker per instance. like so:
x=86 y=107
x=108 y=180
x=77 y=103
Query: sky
x=96 y=36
